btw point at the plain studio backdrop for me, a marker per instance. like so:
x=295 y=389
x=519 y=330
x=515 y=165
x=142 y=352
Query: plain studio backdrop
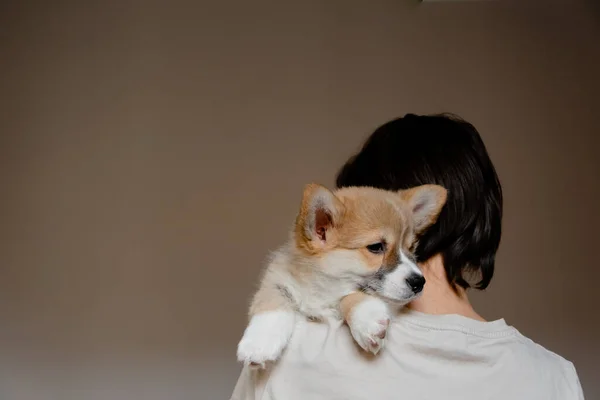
x=153 y=152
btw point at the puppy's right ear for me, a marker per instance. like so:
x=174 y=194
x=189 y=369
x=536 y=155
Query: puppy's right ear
x=320 y=212
x=426 y=202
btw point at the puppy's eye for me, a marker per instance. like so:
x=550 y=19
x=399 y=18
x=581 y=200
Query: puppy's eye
x=376 y=248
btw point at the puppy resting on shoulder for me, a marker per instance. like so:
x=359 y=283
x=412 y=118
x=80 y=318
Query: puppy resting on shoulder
x=349 y=256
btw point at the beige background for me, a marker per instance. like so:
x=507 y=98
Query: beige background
x=151 y=153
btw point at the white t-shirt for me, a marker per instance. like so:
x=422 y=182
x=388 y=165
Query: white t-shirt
x=425 y=357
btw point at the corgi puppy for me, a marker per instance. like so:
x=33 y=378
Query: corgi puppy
x=349 y=256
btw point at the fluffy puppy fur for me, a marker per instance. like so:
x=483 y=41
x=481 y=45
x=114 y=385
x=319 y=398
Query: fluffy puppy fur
x=349 y=256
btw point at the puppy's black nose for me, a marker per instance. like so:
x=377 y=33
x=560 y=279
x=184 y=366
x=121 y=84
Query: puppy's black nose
x=415 y=282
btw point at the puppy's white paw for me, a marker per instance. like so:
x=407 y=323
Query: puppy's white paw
x=265 y=338
x=368 y=323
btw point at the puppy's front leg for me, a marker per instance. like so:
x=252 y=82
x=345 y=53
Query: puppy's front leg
x=368 y=318
x=271 y=325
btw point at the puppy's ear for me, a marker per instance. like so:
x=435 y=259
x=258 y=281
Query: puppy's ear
x=320 y=212
x=426 y=203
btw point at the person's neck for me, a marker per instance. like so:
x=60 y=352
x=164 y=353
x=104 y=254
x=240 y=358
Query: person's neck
x=438 y=295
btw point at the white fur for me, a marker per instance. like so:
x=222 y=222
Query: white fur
x=394 y=284
x=412 y=265
x=265 y=337
x=368 y=323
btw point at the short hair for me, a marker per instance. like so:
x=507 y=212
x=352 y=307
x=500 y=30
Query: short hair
x=448 y=151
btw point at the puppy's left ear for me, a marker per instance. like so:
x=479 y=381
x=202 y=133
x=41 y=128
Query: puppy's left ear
x=426 y=203
x=320 y=212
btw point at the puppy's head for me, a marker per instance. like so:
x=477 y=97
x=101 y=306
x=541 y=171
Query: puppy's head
x=367 y=236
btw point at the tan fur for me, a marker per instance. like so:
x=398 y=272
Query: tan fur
x=348 y=303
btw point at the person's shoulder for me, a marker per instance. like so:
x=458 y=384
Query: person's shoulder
x=549 y=366
x=538 y=353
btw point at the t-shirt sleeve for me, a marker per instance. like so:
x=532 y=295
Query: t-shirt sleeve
x=573 y=386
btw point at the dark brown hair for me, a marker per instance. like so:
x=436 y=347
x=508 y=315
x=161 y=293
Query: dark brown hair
x=448 y=151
